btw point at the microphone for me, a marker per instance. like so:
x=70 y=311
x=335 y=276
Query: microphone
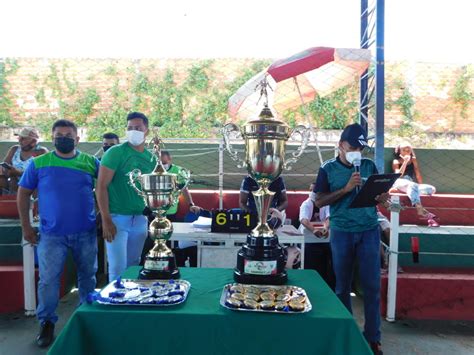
x=356 y=164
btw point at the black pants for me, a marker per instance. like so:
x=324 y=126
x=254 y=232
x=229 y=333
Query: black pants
x=317 y=256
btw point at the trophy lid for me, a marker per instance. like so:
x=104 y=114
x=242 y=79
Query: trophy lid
x=266 y=125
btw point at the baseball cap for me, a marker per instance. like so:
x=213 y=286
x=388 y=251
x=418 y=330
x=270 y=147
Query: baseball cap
x=28 y=132
x=355 y=135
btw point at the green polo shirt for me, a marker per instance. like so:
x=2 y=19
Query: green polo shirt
x=175 y=169
x=122 y=159
x=333 y=175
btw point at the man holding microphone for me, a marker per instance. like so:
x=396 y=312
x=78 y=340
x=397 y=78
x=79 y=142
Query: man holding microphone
x=354 y=232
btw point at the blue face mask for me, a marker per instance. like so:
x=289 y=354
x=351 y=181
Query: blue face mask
x=64 y=145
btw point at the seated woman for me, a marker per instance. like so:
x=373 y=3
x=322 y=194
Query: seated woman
x=18 y=157
x=411 y=181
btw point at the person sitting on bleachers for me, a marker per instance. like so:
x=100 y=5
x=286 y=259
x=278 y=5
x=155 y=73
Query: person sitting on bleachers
x=315 y=228
x=276 y=213
x=18 y=157
x=411 y=181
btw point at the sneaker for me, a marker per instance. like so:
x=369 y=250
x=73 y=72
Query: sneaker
x=376 y=348
x=46 y=334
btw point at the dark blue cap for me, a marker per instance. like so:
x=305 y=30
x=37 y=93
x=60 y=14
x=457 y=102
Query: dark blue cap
x=355 y=135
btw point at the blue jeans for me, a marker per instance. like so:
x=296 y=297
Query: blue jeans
x=365 y=246
x=412 y=189
x=126 y=248
x=52 y=253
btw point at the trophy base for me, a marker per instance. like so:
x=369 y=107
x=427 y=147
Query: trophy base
x=261 y=261
x=159 y=269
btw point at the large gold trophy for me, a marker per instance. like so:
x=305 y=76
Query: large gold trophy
x=159 y=191
x=262 y=260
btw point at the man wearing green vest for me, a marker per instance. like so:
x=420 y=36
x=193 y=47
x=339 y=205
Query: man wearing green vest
x=176 y=169
x=124 y=227
x=186 y=250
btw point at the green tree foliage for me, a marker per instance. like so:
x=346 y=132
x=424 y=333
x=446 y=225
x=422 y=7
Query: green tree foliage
x=7 y=68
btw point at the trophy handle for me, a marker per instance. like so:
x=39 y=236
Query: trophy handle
x=227 y=130
x=134 y=176
x=304 y=132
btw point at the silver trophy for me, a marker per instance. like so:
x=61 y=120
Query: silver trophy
x=159 y=191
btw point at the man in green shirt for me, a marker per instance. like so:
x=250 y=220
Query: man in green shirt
x=124 y=226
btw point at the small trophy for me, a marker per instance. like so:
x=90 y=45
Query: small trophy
x=262 y=260
x=159 y=191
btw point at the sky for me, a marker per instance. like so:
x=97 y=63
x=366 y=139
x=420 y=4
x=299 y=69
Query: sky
x=418 y=30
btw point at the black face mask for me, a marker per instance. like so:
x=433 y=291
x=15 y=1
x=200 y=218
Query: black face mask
x=65 y=145
x=106 y=147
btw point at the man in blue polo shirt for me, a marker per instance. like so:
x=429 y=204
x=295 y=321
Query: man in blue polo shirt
x=65 y=182
x=354 y=232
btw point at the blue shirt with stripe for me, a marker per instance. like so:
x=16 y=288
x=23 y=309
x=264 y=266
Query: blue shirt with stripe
x=333 y=175
x=65 y=192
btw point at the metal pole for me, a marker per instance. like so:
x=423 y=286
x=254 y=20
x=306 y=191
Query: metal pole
x=221 y=174
x=29 y=273
x=379 y=86
x=393 y=260
x=364 y=81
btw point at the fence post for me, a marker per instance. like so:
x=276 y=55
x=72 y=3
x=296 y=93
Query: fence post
x=221 y=173
x=29 y=273
x=393 y=259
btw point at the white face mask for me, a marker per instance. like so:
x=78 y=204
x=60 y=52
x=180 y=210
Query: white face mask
x=351 y=156
x=135 y=137
x=166 y=166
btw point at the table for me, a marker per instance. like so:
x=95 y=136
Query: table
x=223 y=252
x=202 y=326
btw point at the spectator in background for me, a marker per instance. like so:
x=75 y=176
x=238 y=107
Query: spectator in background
x=65 y=182
x=108 y=141
x=171 y=168
x=315 y=228
x=276 y=213
x=18 y=157
x=411 y=181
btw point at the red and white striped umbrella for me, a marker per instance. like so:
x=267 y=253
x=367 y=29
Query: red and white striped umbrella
x=298 y=79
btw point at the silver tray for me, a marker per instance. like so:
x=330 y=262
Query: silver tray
x=131 y=284
x=226 y=293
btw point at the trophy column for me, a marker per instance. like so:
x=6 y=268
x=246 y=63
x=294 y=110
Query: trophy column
x=160 y=262
x=261 y=260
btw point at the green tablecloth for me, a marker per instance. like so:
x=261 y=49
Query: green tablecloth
x=202 y=326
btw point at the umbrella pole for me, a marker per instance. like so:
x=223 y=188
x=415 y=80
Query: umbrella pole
x=305 y=113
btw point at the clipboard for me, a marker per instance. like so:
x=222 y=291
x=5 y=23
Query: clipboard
x=375 y=185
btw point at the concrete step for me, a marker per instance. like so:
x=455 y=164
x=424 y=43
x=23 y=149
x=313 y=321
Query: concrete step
x=432 y=293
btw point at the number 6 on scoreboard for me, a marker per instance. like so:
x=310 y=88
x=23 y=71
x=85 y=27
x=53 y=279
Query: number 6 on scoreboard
x=221 y=219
